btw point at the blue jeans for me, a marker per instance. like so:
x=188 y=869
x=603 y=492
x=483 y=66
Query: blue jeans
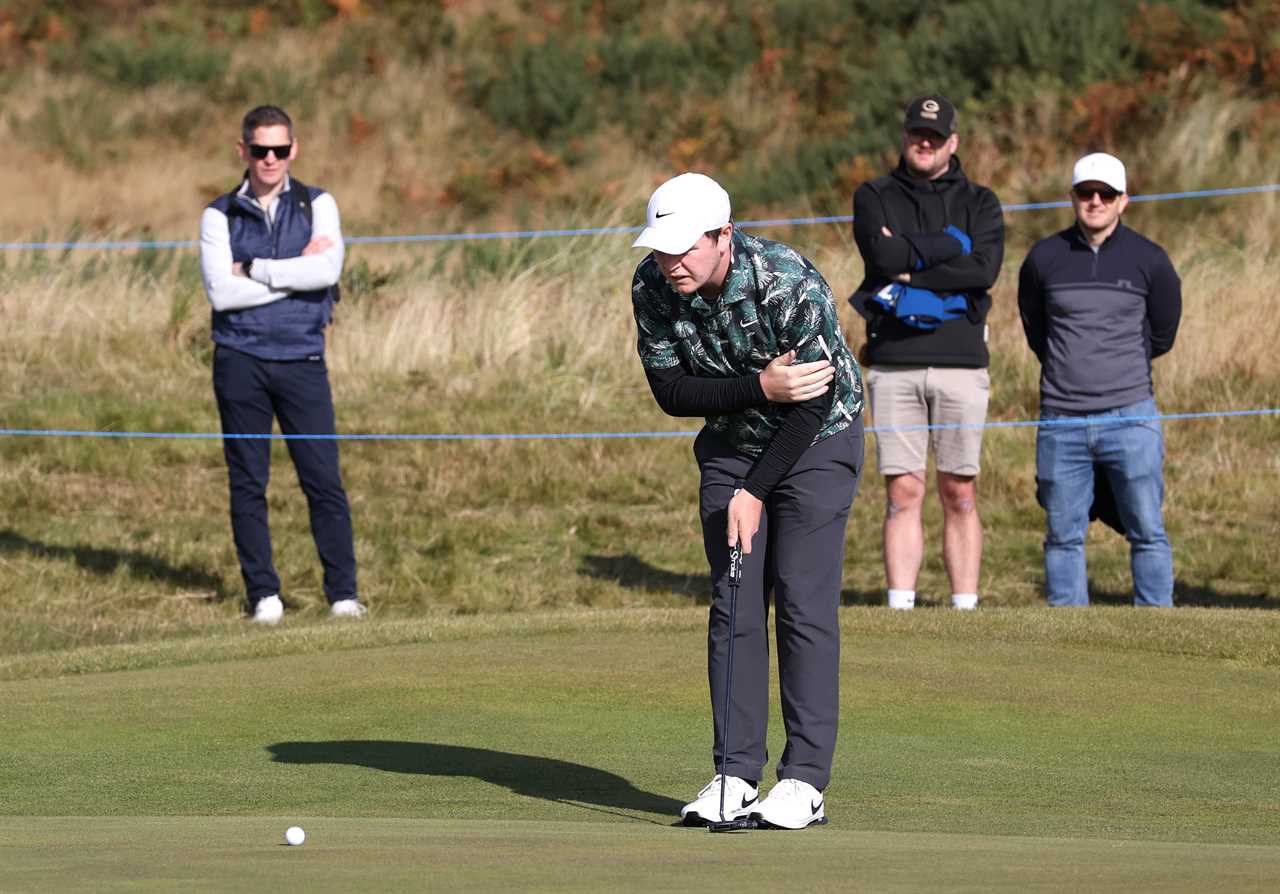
x=1132 y=456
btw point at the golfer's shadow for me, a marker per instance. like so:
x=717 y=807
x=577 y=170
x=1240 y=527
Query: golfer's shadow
x=524 y=774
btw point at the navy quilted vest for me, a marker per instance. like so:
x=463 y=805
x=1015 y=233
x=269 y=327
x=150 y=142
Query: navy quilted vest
x=293 y=327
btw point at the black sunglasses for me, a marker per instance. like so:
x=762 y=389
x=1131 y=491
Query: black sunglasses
x=1085 y=193
x=282 y=152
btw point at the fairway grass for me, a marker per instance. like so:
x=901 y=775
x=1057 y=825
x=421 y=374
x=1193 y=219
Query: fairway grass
x=1003 y=750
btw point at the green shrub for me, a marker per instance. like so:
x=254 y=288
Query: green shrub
x=542 y=90
x=827 y=80
x=158 y=59
x=548 y=88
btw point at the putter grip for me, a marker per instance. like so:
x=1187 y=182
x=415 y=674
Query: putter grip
x=735 y=566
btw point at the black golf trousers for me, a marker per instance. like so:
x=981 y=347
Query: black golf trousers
x=796 y=556
x=251 y=392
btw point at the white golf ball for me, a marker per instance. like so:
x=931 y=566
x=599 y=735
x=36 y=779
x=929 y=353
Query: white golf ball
x=294 y=835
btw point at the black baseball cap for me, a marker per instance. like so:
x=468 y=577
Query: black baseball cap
x=933 y=112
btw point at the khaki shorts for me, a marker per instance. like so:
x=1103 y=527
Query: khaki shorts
x=909 y=396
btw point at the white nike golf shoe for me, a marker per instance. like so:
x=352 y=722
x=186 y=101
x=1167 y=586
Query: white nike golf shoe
x=792 y=804
x=740 y=798
x=268 y=610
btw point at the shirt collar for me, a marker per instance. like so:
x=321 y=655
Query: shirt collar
x=738 y=281
x=1084 y=240
x=244 y=192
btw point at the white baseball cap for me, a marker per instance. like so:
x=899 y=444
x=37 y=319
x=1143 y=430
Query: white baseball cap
x=680 y=211
x=1101 y=167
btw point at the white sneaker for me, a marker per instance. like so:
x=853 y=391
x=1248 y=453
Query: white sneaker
x=347 y=608
x=740 y=797
x=268 y=610
x=792 y=804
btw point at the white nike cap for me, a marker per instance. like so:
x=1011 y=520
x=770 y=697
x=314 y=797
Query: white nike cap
x=680 y=211
x=1101 y=167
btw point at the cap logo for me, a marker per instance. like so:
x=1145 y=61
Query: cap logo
x=680 y=211
x=929 y=109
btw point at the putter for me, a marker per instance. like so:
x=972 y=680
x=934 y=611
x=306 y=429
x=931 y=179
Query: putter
x=743 y=823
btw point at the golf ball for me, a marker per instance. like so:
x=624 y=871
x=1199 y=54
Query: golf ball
x=294 y=835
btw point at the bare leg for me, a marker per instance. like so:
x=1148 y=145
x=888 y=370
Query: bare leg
x=961 y=530
x=903 y=529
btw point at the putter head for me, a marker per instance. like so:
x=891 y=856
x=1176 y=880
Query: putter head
x=741 y=824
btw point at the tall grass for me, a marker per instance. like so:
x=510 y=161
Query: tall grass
x=120 y=540
x=128 y=540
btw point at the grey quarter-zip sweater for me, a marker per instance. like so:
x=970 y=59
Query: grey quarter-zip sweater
x=1096 y=318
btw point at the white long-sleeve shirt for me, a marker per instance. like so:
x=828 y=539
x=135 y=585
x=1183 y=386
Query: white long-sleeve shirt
x=270 y=279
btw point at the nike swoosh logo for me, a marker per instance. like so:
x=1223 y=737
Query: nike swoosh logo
x=664 y=214
x=747 y=802
x=814 y=808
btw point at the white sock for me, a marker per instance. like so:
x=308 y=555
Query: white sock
x=964 y=601
x=904 y=600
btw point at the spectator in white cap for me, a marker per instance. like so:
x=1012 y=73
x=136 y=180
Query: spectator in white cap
x=743 y=331
x=1099 y=302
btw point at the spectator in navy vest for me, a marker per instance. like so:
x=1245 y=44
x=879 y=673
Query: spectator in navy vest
x=270 y=254
x=932 y=242
x=1099 y=302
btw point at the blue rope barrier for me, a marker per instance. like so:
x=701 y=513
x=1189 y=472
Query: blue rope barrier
x=582 y=436
x=604 y=231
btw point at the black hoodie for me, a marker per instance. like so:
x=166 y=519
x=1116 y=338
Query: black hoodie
x=922 y=209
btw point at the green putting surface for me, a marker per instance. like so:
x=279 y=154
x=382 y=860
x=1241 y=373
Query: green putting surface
x=1012 y=750
x=194 y=853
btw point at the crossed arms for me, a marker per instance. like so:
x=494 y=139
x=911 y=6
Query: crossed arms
x=932 y=260
x=271 y=279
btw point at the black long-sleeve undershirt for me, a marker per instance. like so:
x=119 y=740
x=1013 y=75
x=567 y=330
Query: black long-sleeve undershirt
x=800 y=426
x=681 y=394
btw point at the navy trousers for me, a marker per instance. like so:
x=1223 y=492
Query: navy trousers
x=251 y=393
x=797 y=556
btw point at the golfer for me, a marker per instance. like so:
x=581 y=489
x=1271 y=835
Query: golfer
x=743 y=331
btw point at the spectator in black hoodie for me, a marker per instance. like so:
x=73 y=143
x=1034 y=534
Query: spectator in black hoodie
x=932 y=243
